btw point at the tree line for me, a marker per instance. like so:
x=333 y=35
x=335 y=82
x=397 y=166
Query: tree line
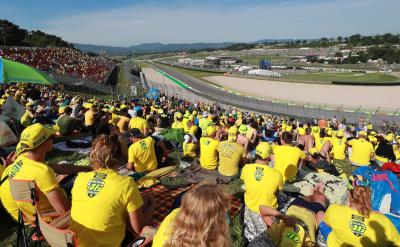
x=13 y=35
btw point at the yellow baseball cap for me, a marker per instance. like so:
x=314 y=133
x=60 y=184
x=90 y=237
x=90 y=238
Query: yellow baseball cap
x=87 y=105
x=373 y=133
x=33 y=136
x=243 y=129
x=210 y=130
x=340 y=133
x=263 y=150
x=362 y=133
x=191 y=118
x=232 y=133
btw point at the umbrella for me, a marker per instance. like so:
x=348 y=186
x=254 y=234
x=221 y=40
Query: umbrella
x=11 y=71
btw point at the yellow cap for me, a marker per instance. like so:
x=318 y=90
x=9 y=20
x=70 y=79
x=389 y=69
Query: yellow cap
x=191 y=118
x=389 y=137
x=33 y=136
x=315 y=129
x=373 y=133
x=243 y=129
x=263 y=150
x=329 y=132
x=232 y=133
x=340 y=133
x=210 y=131
x=87 y=105
x=362 y=133
x=313 y=151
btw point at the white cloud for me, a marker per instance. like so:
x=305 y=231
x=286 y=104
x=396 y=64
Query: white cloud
x=138 y=24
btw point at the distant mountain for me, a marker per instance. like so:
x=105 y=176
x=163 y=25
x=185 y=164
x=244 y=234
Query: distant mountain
x=149 y=48
x=270 y=41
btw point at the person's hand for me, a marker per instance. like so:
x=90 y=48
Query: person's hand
x=9 y=160
x=289 y=221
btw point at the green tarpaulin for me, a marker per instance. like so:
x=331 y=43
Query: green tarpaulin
x=11 y=71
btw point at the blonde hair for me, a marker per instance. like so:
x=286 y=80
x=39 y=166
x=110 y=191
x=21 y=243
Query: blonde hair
x=360 y=199
x=201 y=220
x=104 y=153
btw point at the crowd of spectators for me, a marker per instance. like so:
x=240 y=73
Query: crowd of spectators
x=267 y=155
x=66 y=61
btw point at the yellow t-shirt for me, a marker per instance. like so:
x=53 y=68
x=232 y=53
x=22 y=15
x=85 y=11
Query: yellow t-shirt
x=353 y=229
x=89 y=118
x=204 y=123
x=6 y=198
x=287 y=159
x=123 y=124
x=2 y=168
x=177 y=125
x=320 y=142
x=142 y=154
x=100 y=202
x=164 y=231
x=27 y=169
x=192 y=130
x=339 y=148
x=262 y=183
x=230 y=154
x=139 y=123
x=361 y=151
x=189 y=149
x=208 y=153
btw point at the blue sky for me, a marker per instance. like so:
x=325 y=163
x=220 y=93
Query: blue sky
x=124 y=22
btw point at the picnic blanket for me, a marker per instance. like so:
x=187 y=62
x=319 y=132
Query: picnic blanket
x=64 y=147
x=164 y=200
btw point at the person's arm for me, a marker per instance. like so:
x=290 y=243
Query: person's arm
x=267 y=212
x=58 y=201
x=135 y=219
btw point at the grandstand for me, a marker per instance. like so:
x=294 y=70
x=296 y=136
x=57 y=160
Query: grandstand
x=77 y=71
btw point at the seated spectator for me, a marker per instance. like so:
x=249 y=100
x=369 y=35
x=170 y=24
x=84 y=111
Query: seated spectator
x=300 y=222
x=208 y=149
x=201 y=220
x=142 y=153
x=287 y=158
x=231 y=155
x=138 y=122
x=362 y=150
x=35 y=143
x=104 y=203
x=262 y=184
x=384 y=151
x=356 y=224
x=68 y=124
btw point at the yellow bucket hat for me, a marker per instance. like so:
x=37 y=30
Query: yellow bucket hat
x=33 y=136
x=243 y=129
x=263 y=150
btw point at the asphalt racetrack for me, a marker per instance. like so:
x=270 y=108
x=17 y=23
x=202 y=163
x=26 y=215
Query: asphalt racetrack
x=214 y=93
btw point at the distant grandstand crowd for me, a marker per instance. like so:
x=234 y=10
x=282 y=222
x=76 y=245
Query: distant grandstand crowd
x=64 y=61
